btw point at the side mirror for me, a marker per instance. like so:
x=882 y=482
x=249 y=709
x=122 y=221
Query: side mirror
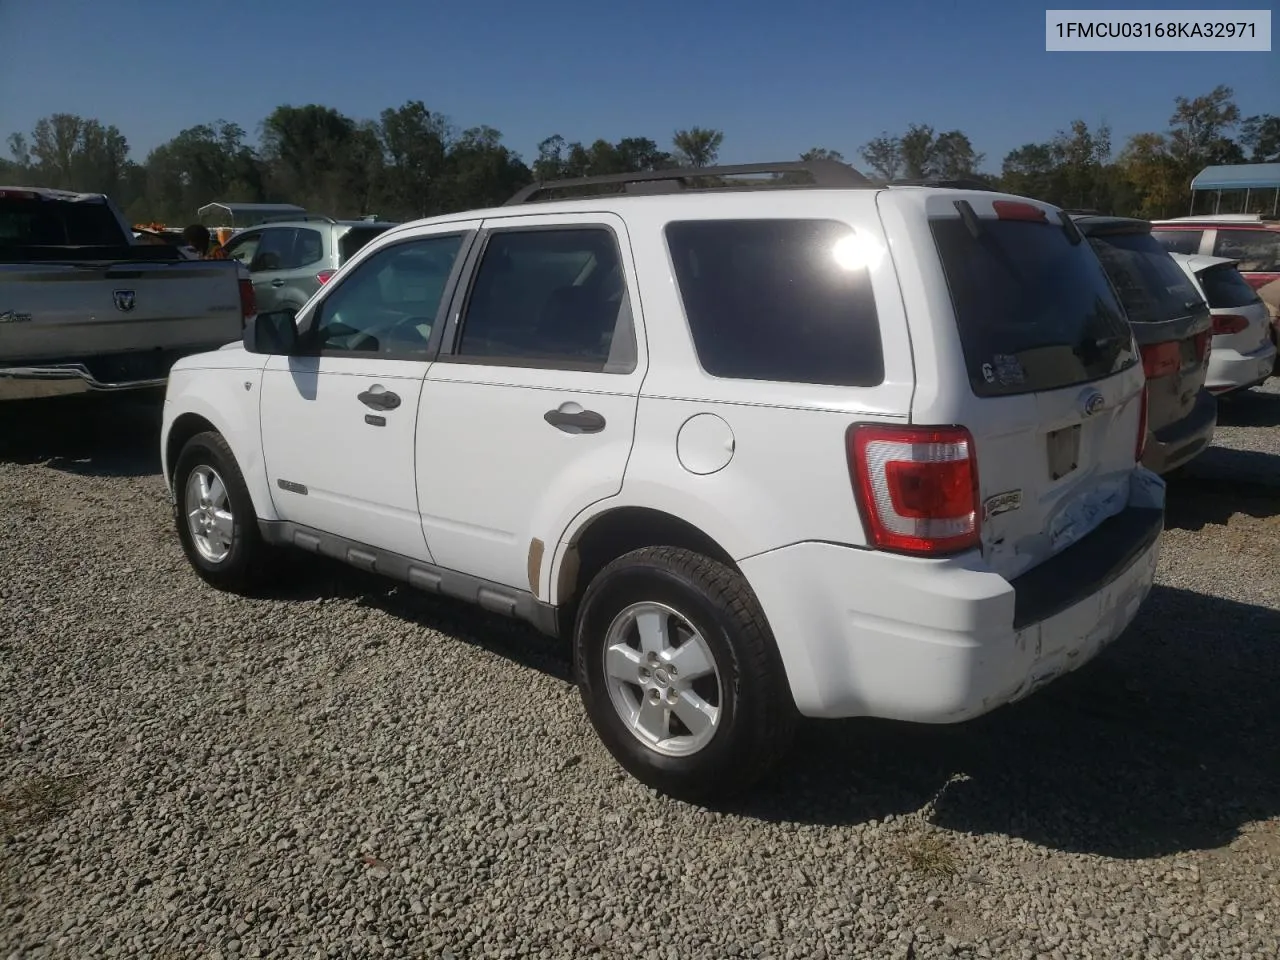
x=272 y=333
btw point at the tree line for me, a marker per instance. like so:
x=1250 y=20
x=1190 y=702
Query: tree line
x=412 y=162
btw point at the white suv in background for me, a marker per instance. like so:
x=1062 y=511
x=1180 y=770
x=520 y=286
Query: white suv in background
x=830 y=449
x=1242 y=354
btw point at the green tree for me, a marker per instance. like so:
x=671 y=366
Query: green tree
x=883 y=156
x=1261 y=134
x=202 y=164
x=481 y=172
x=321 y=159
x=697 y=146
x=1198 y=130
x=415 y=144
x=1080 y=156
x=822 y=153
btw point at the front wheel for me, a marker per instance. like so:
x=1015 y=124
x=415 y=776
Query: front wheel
x=217 y=524
x=680 y=675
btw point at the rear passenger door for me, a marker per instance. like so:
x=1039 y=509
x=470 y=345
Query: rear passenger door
x=528 y=415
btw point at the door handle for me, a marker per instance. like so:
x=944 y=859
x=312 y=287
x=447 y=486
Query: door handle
x=277 y=283
x=571 y=418
x=379 y=397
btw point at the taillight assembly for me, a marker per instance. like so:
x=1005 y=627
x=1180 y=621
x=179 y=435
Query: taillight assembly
x=1229 y=323
x=248 y=300
x=917 y=487
x=324 y=275
x=1141 y=447
x=1161 y=359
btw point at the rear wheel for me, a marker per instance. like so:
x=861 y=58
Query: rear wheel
x=680 y=675
x=217 y=524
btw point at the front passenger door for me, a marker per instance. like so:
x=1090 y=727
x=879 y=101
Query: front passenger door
x=338 y=422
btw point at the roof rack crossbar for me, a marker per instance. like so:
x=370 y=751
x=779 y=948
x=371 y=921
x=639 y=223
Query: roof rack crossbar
x=295 y=217
x=825 y=174
x=951 y=183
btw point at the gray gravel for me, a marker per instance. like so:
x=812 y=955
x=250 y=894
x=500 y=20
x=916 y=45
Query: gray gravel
x=351 y=769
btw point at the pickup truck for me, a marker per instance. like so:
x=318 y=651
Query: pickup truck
x=85 y=307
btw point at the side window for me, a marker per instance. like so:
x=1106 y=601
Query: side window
x=1179 y=241
x=550 y=298
x=274 y=249
x=308 y=248
x=243 y=247
x=781 y=300
x=1257 y=250
x=388 y=304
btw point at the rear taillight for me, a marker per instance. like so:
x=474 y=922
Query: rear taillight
x=248 y=301
x=1141 y=447
x=324 y=275
x=1161 y=359
x=1229 y=323
x=917 y=487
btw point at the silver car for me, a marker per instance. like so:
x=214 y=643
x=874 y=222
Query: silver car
x=291 y=259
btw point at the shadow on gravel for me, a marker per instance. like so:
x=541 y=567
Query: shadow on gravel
x=1253 y=408
x=1222 y=483
x=100 y=436
x=314 y=578
x=1166 y=743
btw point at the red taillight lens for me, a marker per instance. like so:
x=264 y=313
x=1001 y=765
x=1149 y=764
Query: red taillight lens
x=1141 y=447
x=917 y=487
x=248 y=300
x=1229 y=323
x=324 y=275
x=1161 y=359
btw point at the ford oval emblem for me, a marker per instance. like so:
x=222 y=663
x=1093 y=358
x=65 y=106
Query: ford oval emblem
x=1093 y=403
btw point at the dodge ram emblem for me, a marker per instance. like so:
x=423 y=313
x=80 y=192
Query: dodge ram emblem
x=124 y=300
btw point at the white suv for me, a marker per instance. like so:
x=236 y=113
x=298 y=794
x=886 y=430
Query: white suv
x=827 y=448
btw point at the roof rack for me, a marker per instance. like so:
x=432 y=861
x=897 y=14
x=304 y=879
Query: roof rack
x=958 y=183
x=824 y=173
x=295 y=218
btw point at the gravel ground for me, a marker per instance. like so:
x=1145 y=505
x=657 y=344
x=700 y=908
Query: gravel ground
x=351 y=769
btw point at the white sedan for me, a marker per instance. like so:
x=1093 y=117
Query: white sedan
x=1242 y=354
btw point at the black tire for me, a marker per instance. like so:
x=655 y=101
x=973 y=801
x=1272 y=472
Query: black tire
x=757 y=715
x=246 y=565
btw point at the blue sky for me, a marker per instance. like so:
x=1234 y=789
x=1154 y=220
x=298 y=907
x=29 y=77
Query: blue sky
x=794 y=75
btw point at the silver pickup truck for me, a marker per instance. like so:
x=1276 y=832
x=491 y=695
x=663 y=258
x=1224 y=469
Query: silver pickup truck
x=83 y=307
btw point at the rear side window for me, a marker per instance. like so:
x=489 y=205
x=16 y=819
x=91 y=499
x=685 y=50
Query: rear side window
x=1152 y=287
x=770 y=300
x=58 y=223
x=1034 y=311
x=354 y=239
x=1224 y=287
x=1257 y=250
x=1179 y=241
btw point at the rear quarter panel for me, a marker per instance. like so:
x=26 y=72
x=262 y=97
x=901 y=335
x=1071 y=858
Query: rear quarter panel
x=786 y=476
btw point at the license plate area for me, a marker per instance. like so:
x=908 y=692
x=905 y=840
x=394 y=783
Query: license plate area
x=1063 y=451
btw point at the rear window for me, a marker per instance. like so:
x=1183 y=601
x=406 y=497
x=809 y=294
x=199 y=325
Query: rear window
x=58 y=223
x=1034 y=311
x=1179 y=241
x=1224 y=287
x=354 y=239
x=1257 y=250
x=769 y=300
x=1152 y=287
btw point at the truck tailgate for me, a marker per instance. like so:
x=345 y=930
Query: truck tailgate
x=50 y=311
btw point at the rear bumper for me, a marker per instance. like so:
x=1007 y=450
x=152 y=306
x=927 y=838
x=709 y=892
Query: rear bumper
x=1230 y=370
x=110 y=373
x=61 y=380
x=863 y=633
x=1171 y=446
